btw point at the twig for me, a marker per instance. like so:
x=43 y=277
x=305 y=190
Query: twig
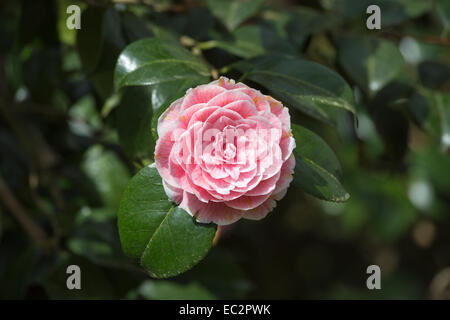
x=22 y=216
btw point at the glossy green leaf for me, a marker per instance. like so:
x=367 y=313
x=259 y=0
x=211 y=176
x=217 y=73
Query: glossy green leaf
x=253 y=40
x=133 y=120
x=370 y=62
x=165 y=239
x=317 y=168
x=303 y=85
x=153 y=61
x=233 y=12
x=314 y=147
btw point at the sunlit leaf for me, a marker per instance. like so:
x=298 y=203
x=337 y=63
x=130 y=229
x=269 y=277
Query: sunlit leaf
x=153 y=61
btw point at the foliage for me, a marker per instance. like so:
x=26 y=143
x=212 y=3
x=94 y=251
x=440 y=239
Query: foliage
x=371 y=119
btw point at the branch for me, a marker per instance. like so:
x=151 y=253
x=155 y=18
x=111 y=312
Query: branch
x=22 y=216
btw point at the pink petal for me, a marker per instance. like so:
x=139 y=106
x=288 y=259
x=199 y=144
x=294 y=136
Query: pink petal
x=167 y=120
x=228 y=97
x=244 y=107
x=261 y=211
x=162 y=152
x=220 y=118
x=215 y=212
x=286 y=175
x=265 y=186
x=201 y=115
x=186 y=115
x=173 y=193
x=201 y=94
x=247 y=202
x=258 y=99
x=287 y=144
x=228 y=84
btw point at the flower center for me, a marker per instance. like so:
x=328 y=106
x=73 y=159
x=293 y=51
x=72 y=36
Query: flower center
x=230 y=151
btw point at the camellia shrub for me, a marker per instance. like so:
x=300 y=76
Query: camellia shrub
x=287 y=144
x=224 y=151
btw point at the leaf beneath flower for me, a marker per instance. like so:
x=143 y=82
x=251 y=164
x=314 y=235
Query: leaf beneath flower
x=164 y=239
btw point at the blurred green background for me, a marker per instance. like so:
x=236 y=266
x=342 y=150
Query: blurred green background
x=68 y=146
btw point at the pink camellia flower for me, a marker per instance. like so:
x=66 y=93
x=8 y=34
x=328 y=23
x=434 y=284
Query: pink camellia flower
x=225 y=152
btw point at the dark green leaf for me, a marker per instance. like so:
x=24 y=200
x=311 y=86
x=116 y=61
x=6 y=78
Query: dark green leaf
x=154 y=61
x=434 y=75
x=108 y=174
x=133 y=120
x=306 y=86
x=431 y=111
x=316 y=169
x=370 y=62
x=312 y=146
x=165 y=239
x=254 y=40
x=304 y=21
x=99 y=42
x=386 y=110
x=233 y=12
x=90 y=39
x=442 y=8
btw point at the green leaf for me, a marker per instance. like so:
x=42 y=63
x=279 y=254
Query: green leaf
x=99 y=43
x=90 y=42
x=167 y=69
x=370 y=62
x=303 y=85
x=386 y=111
x=317 y=168
x=108 y=174
x=165 y=239
x=253 y=40
x=133 y=120
x=304 y=21
x=442 y=8
x=233 y=12
x=431 y=111
x=153 y=61
x=434 y=75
